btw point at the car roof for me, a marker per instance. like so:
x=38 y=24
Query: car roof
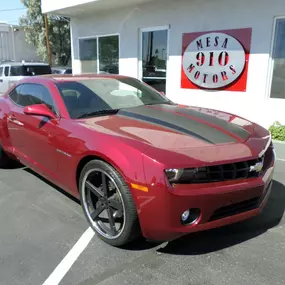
x=74 y=77
x=55 y=78
x=61 y=67
x=19 y=63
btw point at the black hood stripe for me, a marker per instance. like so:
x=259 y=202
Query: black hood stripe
x=228 y=127
x=162 y=123
x=178 y=123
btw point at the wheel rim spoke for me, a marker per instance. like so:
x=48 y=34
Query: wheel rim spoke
x=94 y=190
x=106 y=229
x=111 y=221
x=98 y=211
x=115 y=204
x=104 y=184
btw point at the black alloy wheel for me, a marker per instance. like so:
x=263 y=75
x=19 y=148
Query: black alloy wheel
x=108 y=204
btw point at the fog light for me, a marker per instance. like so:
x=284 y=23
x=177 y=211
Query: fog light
x=190 y=216
x=185 y=216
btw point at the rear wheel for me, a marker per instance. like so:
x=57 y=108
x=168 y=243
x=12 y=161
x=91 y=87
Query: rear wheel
x=108 y=204
x=5 y=160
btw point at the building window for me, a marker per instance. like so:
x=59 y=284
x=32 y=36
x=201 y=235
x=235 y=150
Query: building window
x=100 y=54
x=278 y=57
x=154 y=58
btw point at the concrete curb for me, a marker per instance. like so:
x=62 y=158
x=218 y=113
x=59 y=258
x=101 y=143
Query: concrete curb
x=279 y=148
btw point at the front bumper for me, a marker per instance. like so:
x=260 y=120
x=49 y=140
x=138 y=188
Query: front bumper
x=220 y=203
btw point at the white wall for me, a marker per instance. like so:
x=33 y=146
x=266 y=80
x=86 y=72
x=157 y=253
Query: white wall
x=6 y=45
x=195 y=16
x=23 y=50
x=13 y=45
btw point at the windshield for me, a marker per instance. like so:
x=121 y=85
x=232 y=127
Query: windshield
x=29 y=70
x=93 y=95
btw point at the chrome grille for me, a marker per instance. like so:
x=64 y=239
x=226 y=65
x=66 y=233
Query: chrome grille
x=226 y=172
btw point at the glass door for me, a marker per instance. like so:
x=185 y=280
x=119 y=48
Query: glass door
x=277 y=90
x=154 y=55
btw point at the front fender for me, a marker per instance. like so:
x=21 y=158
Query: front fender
x=128 y=162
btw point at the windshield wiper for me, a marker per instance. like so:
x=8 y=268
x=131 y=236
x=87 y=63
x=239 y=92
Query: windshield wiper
x=98 y=113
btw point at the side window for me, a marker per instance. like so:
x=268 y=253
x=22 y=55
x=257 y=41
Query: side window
x=32 y=94
x=6 y=70
x=1 y=71
x=16 y=71
x=14 y=94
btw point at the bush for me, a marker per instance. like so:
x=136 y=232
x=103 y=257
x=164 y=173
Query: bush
x=277 y=131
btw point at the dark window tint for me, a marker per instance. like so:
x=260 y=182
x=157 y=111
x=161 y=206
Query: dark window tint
x=92 y=95
x=109 y=54
x=278 y=56
x=6 y=71
x=99 y=55
x=31 y=94
x=88 y=55
x=16 y=71
x=56 y=71
x=14 y=94
x=68 y=71
x=88 y=49
x=154 y=58
x=30 y=70
x=1 y=71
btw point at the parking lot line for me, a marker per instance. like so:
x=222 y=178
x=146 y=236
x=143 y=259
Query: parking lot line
x=63 y=267
x=280 y=159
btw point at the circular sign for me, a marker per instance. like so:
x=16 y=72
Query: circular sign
x=214 y=60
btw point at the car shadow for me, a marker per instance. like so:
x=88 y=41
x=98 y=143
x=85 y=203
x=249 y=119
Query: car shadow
x=15 y=164
x=52 y=185
x=227 y=236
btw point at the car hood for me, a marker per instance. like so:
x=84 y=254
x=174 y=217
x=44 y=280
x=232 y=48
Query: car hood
x=173 y=126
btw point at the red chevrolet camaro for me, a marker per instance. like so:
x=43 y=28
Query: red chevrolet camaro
x=140 y=164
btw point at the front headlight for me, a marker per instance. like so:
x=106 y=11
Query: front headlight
x=173 y=174
x=185 y=175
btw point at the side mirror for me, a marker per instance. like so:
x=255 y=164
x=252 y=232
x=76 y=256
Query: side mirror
x=39 y=110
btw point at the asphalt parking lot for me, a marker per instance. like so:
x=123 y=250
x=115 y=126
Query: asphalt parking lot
x=40 y=225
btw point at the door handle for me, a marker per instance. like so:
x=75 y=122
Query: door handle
x=12 y=118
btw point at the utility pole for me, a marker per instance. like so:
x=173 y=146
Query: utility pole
x=47 y=40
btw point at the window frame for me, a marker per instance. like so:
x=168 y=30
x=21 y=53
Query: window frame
x=147 y=30
x=12 y=101
x=97 y=47
x=271 y=61
x=23 y=107
x=6 y=66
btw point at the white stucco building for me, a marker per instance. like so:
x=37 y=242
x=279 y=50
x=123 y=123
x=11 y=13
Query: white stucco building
x=13 y=45
x=223 y=54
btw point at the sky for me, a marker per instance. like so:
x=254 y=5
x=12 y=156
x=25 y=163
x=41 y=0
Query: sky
x=11 y=17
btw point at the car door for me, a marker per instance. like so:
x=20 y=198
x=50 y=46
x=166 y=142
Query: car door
x=15 y=128
x=37 y=134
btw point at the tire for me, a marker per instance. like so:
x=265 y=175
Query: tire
x=5 y=160
x=130 y=228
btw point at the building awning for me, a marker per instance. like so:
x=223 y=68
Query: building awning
x=80 y=7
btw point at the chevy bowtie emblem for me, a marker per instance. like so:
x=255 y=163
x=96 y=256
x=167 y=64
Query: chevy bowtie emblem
x=256 y=167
